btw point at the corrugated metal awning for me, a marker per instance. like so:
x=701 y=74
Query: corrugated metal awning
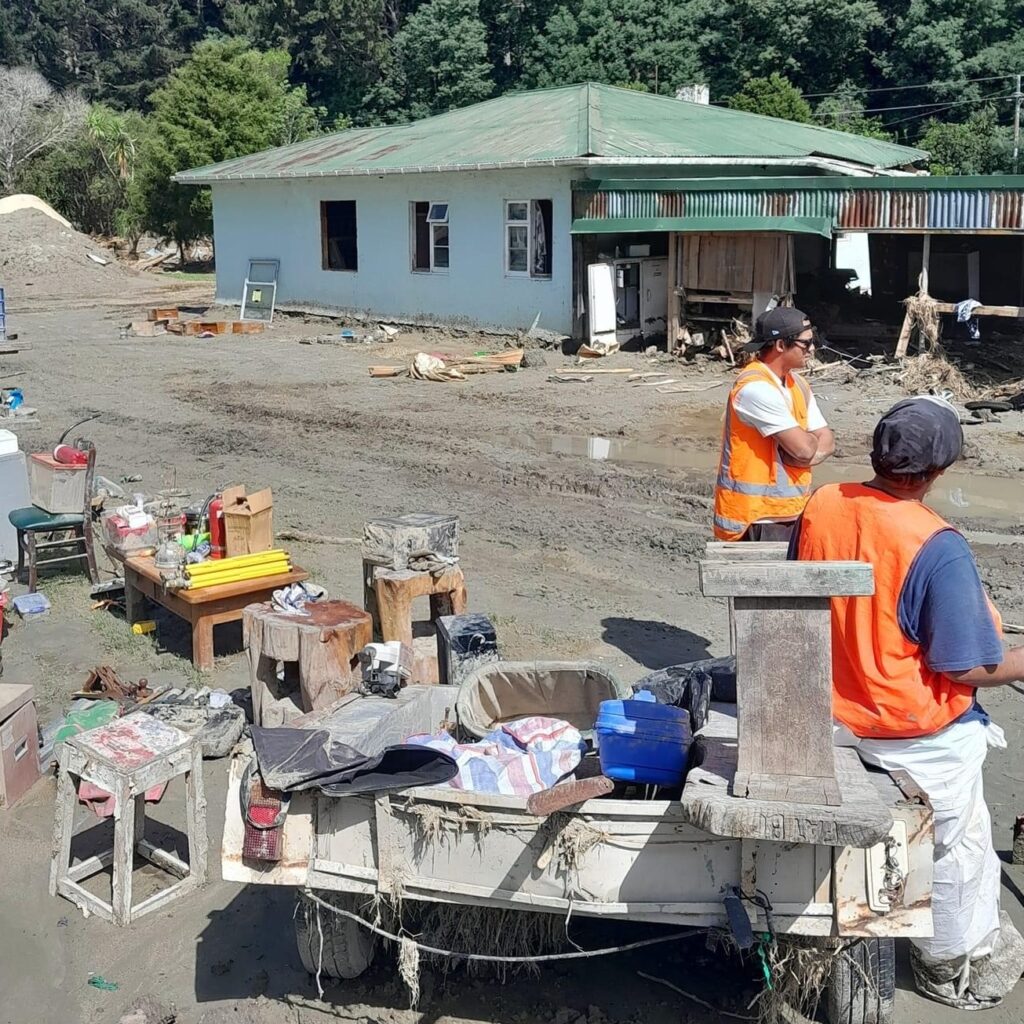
x=626 y=225
x=992 y=204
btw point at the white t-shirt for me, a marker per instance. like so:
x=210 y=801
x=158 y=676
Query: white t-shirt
x=769 y=409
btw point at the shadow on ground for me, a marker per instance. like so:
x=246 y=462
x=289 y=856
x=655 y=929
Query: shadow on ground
x=654 y=644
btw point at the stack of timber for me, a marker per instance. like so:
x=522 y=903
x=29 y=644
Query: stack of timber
x=167 y=320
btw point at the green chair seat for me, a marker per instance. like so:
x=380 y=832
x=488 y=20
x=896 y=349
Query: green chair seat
x=37 y=520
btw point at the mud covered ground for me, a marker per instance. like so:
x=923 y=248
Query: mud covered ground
x=584 y=509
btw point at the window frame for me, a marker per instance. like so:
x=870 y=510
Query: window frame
x=510 y=223
x=433 y=224
x=325 y=237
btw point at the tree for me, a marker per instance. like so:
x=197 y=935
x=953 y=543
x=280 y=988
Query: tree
x=622 y=42
x=979 y=146
x=89 y=177
x=34 y=117
x=116 y=51
x=227 y=100
x=774 y=96
x=440 y=59
x=337 y=47
x=845 y=112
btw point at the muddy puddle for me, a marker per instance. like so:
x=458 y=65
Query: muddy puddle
x=958 y=493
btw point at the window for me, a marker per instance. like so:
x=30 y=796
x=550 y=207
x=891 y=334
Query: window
x=338 y=235
x=429 y=228
x=528 y=237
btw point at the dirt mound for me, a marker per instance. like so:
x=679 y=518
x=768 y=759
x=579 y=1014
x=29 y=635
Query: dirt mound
x=40 y=256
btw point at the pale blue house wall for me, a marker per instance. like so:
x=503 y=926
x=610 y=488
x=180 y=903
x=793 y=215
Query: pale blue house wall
x=280 y=219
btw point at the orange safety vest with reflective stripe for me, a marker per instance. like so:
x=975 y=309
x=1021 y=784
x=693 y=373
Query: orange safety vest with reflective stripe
x=753 y=481
x=882 y=686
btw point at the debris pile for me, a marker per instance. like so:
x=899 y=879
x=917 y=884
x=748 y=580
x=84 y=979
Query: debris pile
x=39 y=250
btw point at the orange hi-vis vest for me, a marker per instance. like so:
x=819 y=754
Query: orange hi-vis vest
x=882 y=686
x=753 y=481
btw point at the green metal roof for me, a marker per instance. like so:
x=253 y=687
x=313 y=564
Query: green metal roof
x=574 y=125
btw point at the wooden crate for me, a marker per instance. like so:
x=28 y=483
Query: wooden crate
x=163 y=313
x=246 y=327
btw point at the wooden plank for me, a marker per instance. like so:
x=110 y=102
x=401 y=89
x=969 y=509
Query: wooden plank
x=246 y=327
x=786 y=579
x=64 y=820
x=195 y=815
x=903 y=341
x=124 y=851
x=784 y=699
x=673 y=293
x=747 y=551
x=1010 y=311
x=709 y=804
x=89 y=867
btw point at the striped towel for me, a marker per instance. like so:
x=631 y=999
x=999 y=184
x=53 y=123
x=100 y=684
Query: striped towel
x=517 y=759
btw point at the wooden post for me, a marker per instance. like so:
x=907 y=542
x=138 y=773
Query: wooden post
x=784 y=672
x=673 y=295
x=926 y=252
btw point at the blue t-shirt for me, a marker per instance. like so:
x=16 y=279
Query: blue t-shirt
x=943 y=608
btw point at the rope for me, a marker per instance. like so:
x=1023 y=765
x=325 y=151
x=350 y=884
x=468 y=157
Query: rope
x=696 y=999
x=484 y=958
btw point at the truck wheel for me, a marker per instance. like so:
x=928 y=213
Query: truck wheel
x=347 y=948
x=862 y=988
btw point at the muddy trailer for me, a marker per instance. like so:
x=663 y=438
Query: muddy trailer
x=651 y=861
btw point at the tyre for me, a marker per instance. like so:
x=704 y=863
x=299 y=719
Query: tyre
x=862 y=987
x=347 y=948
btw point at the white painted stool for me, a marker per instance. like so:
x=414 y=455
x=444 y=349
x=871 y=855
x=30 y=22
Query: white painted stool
x=126 y=758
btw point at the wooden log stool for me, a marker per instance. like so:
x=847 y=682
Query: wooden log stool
x=127 y=758
x=318 y=653
x=782 y=614
x=389 y=595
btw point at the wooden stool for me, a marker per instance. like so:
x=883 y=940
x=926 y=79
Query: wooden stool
x=388 y=595
x=126 y=758
x=319 y=653
x=782 y=614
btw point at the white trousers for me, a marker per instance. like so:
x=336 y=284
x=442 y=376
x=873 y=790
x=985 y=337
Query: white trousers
x=948 y=768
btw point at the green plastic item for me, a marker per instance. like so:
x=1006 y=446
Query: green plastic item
x=190 y=541
x=97 y=714
x=98 y=981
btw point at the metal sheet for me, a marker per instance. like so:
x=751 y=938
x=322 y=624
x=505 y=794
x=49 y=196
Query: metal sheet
x=849 y=205
x=571 y=124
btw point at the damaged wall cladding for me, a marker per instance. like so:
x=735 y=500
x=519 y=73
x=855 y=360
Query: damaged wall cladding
x=864 y=209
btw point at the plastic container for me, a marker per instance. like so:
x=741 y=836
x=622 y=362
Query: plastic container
x=642 y=741
x=55 y=487
x=8 y=442
x=127 y=539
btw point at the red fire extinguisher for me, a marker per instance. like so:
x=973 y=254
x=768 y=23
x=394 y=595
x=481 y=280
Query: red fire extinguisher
x=216 y=514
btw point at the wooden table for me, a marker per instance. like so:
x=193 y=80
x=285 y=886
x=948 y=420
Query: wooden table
x=202 y=609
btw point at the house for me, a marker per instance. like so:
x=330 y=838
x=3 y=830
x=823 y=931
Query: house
x=601 y=211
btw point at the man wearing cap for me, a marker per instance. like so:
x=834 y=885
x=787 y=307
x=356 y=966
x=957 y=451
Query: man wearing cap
x=774 y=433
x=907 y=664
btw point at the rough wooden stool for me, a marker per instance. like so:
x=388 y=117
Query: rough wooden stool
x=318 y=652
x=388 y=595
x=126 y=758
x=783 y=625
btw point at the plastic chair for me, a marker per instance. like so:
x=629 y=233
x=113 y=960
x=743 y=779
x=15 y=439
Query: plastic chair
x=32 y=521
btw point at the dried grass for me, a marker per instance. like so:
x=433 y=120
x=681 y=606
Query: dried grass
x=923 y=316
x=931 y=373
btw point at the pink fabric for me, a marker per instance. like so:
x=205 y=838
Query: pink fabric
x=101 y=803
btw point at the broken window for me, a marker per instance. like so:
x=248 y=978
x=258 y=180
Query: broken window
x=528 y=237
x=429 y=237
x=338 y=235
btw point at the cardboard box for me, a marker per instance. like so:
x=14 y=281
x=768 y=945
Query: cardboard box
x=248 y=521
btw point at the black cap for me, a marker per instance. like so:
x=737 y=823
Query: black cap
x=780 y=322
x=917 y=436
